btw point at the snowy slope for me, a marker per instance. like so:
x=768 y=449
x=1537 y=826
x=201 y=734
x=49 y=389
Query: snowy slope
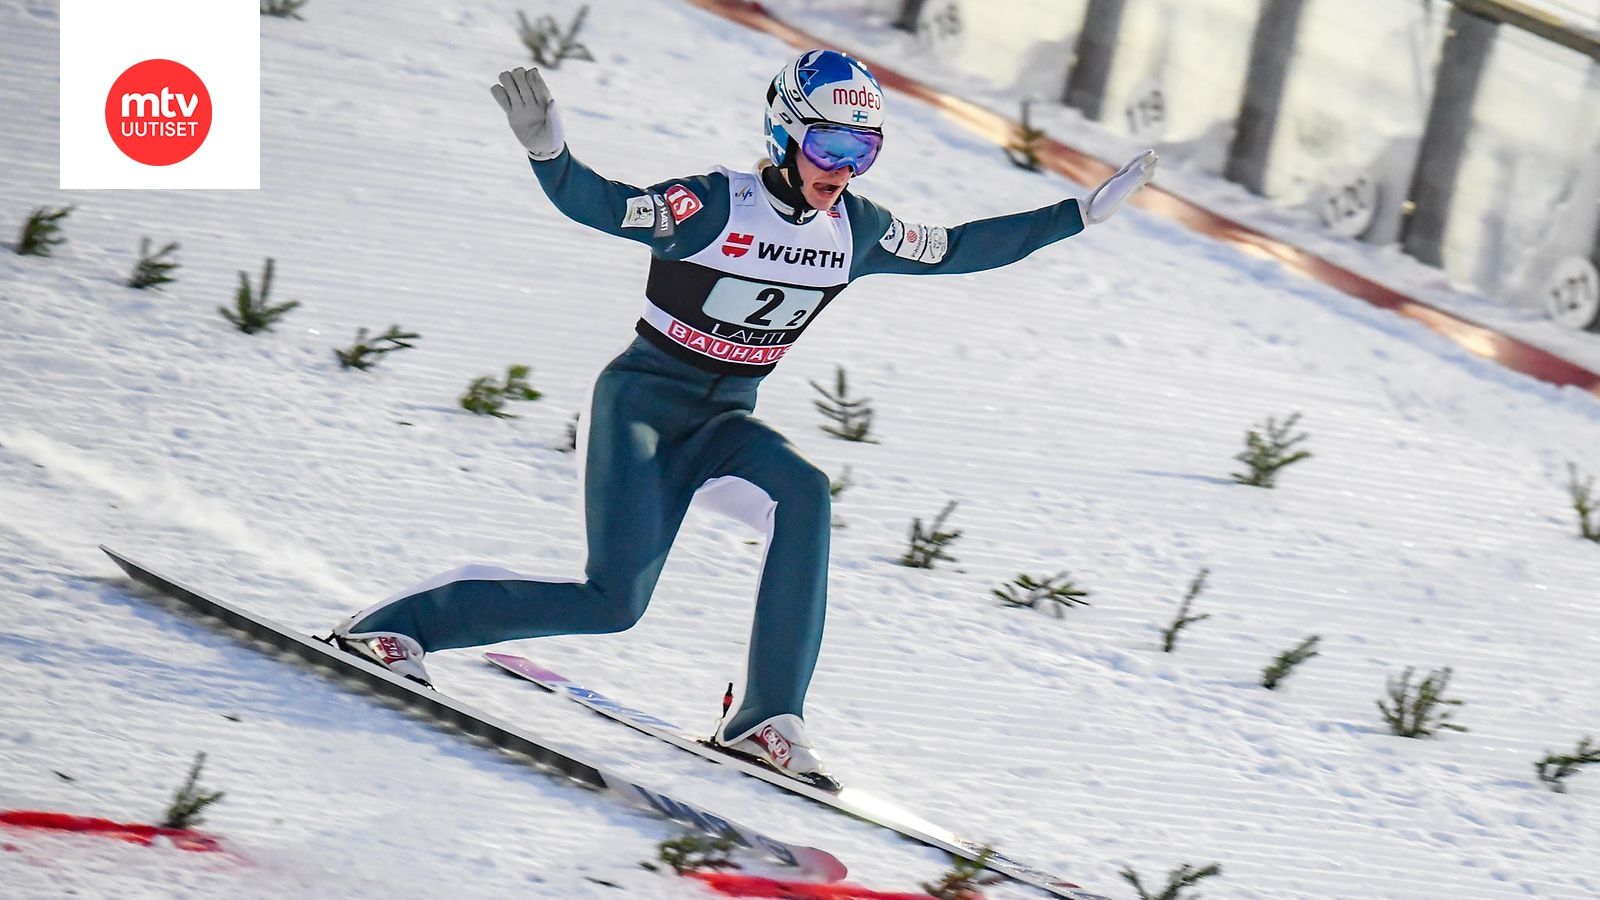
x=1082 y=406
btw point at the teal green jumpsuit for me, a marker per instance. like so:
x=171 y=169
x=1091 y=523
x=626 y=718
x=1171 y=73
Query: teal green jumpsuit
x=672 y=415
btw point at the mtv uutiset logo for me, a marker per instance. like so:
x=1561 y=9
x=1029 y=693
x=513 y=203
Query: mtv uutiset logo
x=158 y=112
x=160 y=94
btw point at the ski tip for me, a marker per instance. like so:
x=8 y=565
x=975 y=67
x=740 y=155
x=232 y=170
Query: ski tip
x=821 y=863
x=122 y=562
x=527 y=668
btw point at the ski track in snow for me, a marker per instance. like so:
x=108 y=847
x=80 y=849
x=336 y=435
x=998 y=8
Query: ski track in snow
x=1083 y=407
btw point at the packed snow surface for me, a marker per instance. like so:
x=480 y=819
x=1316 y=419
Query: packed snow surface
x=1082 y=407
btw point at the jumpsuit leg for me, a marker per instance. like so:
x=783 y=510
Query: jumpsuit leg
x=765 y=481
x=632 y=511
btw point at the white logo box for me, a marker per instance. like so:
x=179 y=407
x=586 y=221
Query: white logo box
x=220 y=40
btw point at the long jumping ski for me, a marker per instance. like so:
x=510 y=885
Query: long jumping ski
x=472 y=723
x=849 y=800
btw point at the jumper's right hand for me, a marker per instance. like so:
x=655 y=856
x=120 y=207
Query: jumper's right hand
x=532 y=115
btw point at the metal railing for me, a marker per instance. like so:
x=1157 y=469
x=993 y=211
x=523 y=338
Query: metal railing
x=1465 y=131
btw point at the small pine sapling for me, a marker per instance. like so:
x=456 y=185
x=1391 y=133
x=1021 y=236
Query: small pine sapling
x=1421 y=710
x=1553 y=769
x=363 y=355
x=964 y=879
x=852 y=418
x=1182 y=620
x=189 y=801
x=282 y=9
x=1023 y=151
x=1269 y=448
x=1287 y=660
x=254 y=312
x=153 y=269
x=928 y=547
x=1184 y=876
x=1027 y=592
x=695 y=852
x=837 y=486
x=549 y=44
x=485 y=398
x=42 y=232
x=1583 y=503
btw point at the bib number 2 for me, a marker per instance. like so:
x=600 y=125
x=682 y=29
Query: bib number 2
x=774 y=298
x=758 y=305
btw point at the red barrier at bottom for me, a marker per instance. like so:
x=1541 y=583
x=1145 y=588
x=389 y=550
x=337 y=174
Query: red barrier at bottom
x=733 y=885
x=181 y=838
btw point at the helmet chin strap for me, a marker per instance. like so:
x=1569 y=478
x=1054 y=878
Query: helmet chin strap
x=784 y=183
x=791 y=173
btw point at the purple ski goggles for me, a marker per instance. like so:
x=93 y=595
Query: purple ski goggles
x=832 y=146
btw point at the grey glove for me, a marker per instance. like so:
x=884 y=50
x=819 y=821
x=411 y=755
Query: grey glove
x=533 y=116
x=1119 y=187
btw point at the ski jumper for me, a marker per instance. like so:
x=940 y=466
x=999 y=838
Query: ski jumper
x=736 y=275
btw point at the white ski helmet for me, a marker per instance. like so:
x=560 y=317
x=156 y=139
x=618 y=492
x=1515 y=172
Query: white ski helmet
x=829 y=89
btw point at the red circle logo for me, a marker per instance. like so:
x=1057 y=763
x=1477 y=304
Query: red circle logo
x=158 y=112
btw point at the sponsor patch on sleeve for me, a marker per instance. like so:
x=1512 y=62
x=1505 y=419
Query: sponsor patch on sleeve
x=641 y=213
x=682 y=202
x=919 y=243
x=665 y=227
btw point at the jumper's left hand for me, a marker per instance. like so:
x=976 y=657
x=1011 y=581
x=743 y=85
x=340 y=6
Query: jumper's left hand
x=1109 y=195
x=532 y=114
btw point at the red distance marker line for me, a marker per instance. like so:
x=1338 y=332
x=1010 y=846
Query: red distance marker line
x=1478 y=339
x=181 y=838
x=731 y=884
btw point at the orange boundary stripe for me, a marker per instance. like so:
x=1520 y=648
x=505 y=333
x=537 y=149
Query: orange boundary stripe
x=1478 y=339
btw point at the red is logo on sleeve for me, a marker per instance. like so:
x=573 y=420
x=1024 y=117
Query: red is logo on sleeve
x=682 y=202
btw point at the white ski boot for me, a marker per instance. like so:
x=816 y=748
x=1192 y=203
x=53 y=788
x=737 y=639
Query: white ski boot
x=779 y=743
x=398 y=653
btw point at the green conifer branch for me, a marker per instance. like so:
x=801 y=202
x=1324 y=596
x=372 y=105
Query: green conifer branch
x=282 y=9
x=153 y=269
x=1583 y=503
x=1269 y=448
x=1287 y=660
x=1169 y=637
x=363 y=355
x=1028 y=592
x=929 y=546
x=696 y=852
x=189 y=801
x=965 y=878
x=1555 y=769
x=41 y=233
x=1421 y=710
x=486 y=398
x=1178 y=879
x=254 y=311
x=852 y=419
x=549 y=44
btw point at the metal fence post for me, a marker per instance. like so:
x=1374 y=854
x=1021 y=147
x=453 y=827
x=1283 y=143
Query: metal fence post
x=1271 y=51
x=910 y=11
x=1468 y=38
x=1594 y=255
x=1091 y=65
